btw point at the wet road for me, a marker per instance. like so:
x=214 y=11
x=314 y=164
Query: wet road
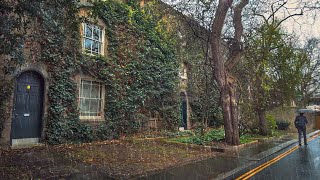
x=213 y=167
x=293 y=163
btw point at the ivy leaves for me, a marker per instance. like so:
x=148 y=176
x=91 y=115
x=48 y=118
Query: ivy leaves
x=145 y=68
x=140 y=71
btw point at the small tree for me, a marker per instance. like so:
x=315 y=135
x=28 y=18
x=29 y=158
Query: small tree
x=310 y=72
x=272 y=65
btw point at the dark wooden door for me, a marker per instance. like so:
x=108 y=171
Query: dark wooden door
x=27 y=114
x=184 y=111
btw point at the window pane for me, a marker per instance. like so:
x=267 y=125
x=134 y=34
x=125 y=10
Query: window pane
x=95 y=47
x=88 y=30
x=85 y=91
x=94 y=106
x=84 y=105
x=95 y=93
x=87 y=44
x=96 y=34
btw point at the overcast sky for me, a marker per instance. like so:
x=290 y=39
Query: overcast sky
x=305 y=26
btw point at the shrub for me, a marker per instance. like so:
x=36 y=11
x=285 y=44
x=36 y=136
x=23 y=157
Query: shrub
x=245 y=139
x=271 y=124
x=103 y=132
x=212 y=135
x=282 y=124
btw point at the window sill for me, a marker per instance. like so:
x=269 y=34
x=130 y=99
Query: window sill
x=91 y=119
x=90 y=54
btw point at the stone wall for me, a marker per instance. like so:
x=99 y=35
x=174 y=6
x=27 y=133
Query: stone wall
x=289 y=113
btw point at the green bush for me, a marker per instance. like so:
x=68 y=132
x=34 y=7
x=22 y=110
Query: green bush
x=271 y=124
x=282 y=124
x=215 y=135
x=212 y=135
x=245 y=139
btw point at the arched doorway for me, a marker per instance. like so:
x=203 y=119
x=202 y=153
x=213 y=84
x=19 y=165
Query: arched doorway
x=28 y=106
x=184 y=110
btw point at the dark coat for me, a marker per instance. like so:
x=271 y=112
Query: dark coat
x=300 y=121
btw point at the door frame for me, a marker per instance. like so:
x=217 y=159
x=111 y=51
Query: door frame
x=16 y=76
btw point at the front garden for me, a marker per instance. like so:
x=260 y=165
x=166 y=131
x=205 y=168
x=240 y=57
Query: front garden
x=215 y=137
x=116 y=159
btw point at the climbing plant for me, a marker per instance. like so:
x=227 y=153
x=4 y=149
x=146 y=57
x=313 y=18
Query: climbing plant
x=11 y=37
x=142 y=65
x=139 y=71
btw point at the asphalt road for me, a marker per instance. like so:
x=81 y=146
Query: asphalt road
x=294 y=163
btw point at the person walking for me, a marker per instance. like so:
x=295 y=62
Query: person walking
x=300 y=123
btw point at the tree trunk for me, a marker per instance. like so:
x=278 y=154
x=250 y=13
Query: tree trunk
x=222 y=67
x=262 y=122
x=230 y=114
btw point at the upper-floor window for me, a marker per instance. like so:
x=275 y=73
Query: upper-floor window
x=92 y=39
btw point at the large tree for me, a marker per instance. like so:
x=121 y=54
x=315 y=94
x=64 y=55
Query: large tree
x=226 y=49
x=223 y=67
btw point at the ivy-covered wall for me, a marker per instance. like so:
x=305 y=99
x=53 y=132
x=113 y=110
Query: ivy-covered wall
x=142 y=66
x=140 y=71
x=145 y=49
x=194 y=52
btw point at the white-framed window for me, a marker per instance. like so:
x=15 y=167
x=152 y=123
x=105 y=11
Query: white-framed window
x=183 y=72
x=92 y=39
x=91 y=99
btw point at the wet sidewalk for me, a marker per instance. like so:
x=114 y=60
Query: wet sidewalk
x=147 y=159
x=226 y=165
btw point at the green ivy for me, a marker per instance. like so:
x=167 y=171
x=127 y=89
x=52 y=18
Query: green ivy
x=140 y=71
x=12 y=31
x=142 y=66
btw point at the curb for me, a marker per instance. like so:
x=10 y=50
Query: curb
x=261 y=156
x=229 y=149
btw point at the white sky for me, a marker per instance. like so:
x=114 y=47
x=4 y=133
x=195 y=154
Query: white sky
x=305 y=26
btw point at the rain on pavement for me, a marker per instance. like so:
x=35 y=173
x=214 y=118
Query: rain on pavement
x=301 y=164
x=213 y=167
x=49 y=163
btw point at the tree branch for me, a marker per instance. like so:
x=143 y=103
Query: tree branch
x=282 y=20
x=237 y=23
